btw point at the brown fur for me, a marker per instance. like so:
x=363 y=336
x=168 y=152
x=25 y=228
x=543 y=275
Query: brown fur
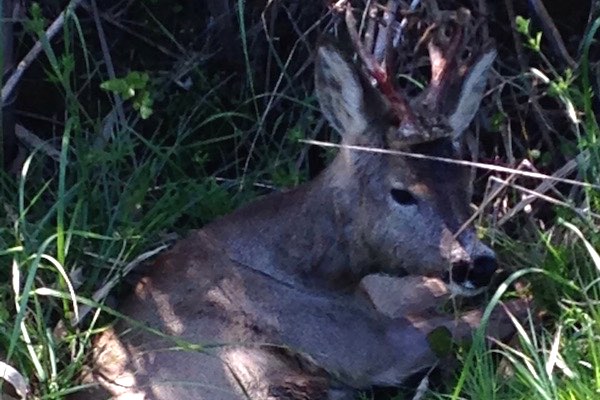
x=264 y=302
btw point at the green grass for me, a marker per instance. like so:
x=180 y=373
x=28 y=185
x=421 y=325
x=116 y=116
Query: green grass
x=71 y=224
x=557 y=354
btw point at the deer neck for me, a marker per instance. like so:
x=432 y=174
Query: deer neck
x=302 y=236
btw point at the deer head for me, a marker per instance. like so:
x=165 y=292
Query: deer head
x=407 y=213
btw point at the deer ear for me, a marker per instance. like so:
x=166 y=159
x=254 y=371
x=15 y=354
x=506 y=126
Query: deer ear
x=340 y=90
x=471 y=93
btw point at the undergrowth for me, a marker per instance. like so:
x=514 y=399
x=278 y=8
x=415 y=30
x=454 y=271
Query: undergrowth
x=159 y=153
x=117 y=186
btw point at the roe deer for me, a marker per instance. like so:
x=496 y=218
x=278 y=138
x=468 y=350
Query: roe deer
x=275 y=282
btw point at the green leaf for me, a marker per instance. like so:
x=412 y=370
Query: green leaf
x=137 y=80
x=440 y=341
x=522 y=25
x=135 y=85
x=36 y=23
x=143 y=103
x=118 y=86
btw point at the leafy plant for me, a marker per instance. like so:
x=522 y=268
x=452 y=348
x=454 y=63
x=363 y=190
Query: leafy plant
x=134 y=86
x=532 y=40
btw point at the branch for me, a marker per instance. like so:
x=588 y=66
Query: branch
x=10 y=85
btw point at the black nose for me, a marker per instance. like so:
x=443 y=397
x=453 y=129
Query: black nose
x=458 y=272
x=479 y=274
x=483 y=270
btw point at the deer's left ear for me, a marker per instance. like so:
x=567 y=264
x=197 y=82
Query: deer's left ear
x=471 y=93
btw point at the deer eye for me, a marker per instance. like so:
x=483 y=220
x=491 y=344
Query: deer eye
x=403 y=197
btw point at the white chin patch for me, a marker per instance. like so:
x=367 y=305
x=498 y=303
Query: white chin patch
x=465 y=289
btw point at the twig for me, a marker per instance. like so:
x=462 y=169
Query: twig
x=487 y=200
x=275 y=98
x=108 y=60
x=108 y=18
x=413 y=6
x=9 y=9
x=11 y=83
x=544 y=187
x=32 y=141
x=551 y=32
x=484 y=166
x=483 y=10
x=538 y=115
x=532 y=195
x=384 y=39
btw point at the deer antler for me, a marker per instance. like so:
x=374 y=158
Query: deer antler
x=383 y=75
x=442 y=64
x=444 y=52
x=379 y=62
x=446 y=38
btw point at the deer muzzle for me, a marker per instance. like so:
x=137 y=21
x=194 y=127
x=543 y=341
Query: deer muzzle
x=471 y=272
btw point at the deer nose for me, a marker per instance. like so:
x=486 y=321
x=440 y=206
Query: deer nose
x=483 y=269
x=477 y=275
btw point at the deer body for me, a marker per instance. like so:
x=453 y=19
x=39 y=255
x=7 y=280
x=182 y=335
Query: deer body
x=276 y=282
x=202 y=297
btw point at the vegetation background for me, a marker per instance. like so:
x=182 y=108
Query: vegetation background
x=138 y=120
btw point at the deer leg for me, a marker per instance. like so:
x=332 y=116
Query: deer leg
x=262 y=373
x=363 y=348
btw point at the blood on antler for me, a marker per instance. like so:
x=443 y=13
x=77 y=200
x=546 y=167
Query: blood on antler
x=382 y=71
x=444 y=50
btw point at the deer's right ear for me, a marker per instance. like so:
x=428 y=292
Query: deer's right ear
x=472 y=91
x=340 y=91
